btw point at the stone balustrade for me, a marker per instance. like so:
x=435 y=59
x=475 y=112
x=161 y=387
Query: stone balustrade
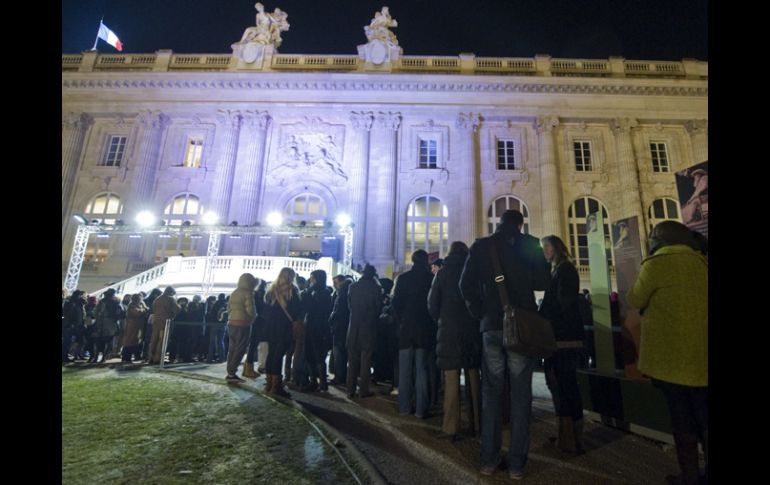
x=541 y=65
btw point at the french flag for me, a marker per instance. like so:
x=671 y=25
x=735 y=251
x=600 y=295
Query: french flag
x=109 y=37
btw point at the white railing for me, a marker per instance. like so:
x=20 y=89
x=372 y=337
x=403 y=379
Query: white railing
x=186 y=274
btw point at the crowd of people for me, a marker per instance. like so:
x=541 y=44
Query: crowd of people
x=419 y=335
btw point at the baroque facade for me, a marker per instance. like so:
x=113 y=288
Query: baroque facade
x=420 y=151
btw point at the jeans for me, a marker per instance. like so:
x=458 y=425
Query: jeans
x=434 y=376
x=216 y=344
x=494 y=362
x=340 y=362
x=417 y=359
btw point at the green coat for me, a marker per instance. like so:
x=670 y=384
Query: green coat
x=672 y=291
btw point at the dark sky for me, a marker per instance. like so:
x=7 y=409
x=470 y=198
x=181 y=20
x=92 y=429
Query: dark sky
x=634 y=29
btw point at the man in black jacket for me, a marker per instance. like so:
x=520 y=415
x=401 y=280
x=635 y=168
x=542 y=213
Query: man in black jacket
x=525 y=271
x=416 y=336
x=338 y=321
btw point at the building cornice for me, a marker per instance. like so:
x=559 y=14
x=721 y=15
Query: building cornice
x=199 y=81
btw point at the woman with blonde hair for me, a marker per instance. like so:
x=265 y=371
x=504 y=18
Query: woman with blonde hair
x=283 y=317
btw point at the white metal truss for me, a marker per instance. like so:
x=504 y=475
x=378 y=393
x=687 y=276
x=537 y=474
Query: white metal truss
x=211 y=259
x=214 y=232
x=347 y=255
x=77 y=256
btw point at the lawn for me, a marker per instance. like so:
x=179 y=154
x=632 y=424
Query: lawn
x=144 y=427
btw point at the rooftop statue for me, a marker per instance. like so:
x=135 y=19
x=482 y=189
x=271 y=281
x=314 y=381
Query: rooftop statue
x=268 y=28
x=382 y=46
x=378 y=27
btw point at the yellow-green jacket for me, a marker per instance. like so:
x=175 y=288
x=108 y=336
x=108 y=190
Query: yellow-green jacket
x=672 y=292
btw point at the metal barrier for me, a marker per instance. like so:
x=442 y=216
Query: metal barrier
x=167 y=332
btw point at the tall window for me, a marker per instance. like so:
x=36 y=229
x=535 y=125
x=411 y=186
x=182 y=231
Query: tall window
x=502 y=204
x=116 y=147
x=663 y=210
x=192 y=157
x=428 y=155
x=183 y=207
x=582 y=156
x=505 y=158
x=306 y=207
x=578 y=234
x=105 y=208
x=427 y=227
x=659 y=157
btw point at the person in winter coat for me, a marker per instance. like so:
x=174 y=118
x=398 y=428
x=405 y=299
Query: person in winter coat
x=73 y=321
x=338 y=321
x=525 y=271
x=417 y=334
x=671 y=293
x=180 y=334
x=317 y=304
x=364 y=301
x=256 y=333
x=385 y=358
x=163 y=308
x=241 y=312
x=561 y=307
x=283 y=319
x=136 y=314
x=216 y=351
x=458 y=343
x=107 y=314
x=147 y=332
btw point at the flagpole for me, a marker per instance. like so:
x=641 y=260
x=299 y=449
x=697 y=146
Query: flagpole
x=97 y=34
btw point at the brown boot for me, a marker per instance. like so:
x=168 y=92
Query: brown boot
x=268 y=382
x=248 y=371
x=566 y=440
x=277 y=388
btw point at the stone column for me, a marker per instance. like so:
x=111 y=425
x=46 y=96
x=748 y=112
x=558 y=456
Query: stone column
x=468 y=125
x=143 y=168
x=550 y=184
x=629 y=173
x=384 y=241
x=699 y=139
x=362 y=123
x=250 y=188
x=74 y=127
x=219 y=202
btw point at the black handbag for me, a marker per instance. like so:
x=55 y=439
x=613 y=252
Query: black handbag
x=524 y=332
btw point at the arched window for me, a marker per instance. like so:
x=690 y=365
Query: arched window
x=183 y=207
x=306 y=207
x=502 y=204
x=427 y=227
x=663 y=210
x=105 y=208
x=578 y=235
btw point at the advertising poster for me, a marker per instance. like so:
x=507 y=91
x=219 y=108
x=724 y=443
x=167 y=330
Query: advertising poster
x=693 y=187
x=627 y=248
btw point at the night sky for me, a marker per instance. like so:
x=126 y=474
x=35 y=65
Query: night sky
x=634 y=29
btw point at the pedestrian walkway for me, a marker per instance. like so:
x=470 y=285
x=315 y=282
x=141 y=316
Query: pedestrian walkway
x=407 y=450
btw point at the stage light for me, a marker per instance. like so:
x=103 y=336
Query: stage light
x=343 y=220
x=81 y=219
x=275 y=219
x=209 y=218
x=145 y=219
